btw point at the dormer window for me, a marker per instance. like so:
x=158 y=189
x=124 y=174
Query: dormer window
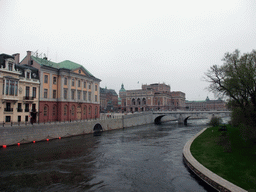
x=28 y=74
x=10 y=67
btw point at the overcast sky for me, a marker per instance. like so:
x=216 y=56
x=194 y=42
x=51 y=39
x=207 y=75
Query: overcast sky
x=132 y=42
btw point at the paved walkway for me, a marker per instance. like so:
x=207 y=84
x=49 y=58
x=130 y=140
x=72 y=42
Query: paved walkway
x=205 y=174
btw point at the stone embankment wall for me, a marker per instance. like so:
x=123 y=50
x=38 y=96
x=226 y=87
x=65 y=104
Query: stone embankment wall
x=11 y=135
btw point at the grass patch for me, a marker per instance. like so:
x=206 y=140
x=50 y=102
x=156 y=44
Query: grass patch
x=227 y=154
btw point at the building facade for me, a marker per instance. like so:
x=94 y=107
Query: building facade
x=19 y=86
x=151 y=97
x=67 y=91
x=206 y=105
x=108 y=100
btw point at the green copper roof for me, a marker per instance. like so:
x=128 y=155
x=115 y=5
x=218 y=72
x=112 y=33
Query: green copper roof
x=64 y=64
x=122 y=88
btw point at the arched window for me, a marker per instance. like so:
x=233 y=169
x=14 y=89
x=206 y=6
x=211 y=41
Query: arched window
x=133 y=101
x=54 y=110
x=45 y=110
x=65 y=110
x=84 y=110
x=144 y=102
x=96 y=111
x=138 y=101
x=73 y=110
x=90 y=110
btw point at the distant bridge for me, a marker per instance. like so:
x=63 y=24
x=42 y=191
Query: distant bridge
x=183 y=116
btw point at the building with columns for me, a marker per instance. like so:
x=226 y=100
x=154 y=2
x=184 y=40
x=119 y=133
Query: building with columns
x=19 y=86
x=67 y=91
x=156 y=96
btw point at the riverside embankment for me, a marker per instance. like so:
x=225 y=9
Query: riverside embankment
x=12 y=135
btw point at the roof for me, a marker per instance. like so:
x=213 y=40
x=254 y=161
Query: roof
x=64 y=64
x=122 y=88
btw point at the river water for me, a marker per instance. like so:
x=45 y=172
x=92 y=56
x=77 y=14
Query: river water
x=142 y=158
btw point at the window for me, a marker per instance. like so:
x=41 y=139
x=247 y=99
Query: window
x=89 y=85
x=54 y=81
x=65 y=81
x=7 y=118
x=90 y=109
x=73 y=82
x=34 y=107
x=96 y=87
x=45 y=110
x=73 y=94
x=34 y=92
x=78 y=95
x=45 y=93
x=45 y=78
x=11 y=87
x=96 y=111
x=19 y=118
x=26 y=118
x=96 y=98
x=78 y=83
x=12 y=84
x=10 y=67
x=73 y=110
x=54 y=110
x=27 y=107
x=28 y=75
x=79 y=70
x=84 y=110
x=19 y=107
x=90 y=96
x=85 y=95
x=8 y=107
x=16 y=88
x=27 y=91
x=65 y=110
x=65 y=93
x=54 y=94
x=85 y=84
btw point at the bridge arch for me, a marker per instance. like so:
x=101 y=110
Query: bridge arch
x=97 y=128
x=157 y=120
x=186 y=120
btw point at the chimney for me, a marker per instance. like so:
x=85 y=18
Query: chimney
x=29 y=55
x=16 y=58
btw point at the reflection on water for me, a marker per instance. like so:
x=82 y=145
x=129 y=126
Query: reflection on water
x=143 y=158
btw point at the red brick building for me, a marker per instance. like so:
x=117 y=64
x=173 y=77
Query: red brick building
x=108 y=100
x=67 y=90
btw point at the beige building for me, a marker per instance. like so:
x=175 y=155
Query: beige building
x=206 y=105
x=156 y=96
x=19 y=86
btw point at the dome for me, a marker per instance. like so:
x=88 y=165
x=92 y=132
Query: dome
x=122 y=88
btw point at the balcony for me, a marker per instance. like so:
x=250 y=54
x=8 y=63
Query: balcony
x=28 y=98
x=19 y=110
x=8 y=109
x=26 y=110
x=33 y=111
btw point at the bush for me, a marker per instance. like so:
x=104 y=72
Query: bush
x=215 y=121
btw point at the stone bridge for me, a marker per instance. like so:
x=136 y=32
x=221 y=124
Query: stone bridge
x=183 y=116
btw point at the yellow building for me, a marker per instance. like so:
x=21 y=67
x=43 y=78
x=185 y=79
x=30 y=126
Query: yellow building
x=68 y=91
x=19 y=86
